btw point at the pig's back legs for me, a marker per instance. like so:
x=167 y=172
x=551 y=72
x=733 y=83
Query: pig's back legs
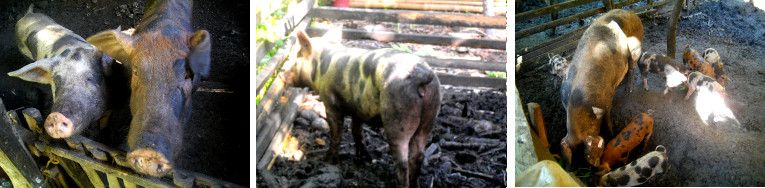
x=357 y=130
x=431 y=101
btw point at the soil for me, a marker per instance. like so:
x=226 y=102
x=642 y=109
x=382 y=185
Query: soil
x=719 y=154
x=467 y=115
x=214 y=139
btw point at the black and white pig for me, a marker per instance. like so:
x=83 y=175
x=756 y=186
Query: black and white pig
x=384 y=88
x=76 y=71
x=672 y=71
x=639 y=171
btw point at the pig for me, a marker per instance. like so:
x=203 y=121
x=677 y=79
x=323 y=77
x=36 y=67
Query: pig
x=618 y=149
x=697 y=80
x=639 y=171
x=559 y=66
x=696 y=62
x=673 y=71
x=76 y=71
x=166 y=60
x=383 y=87
x=712 y=57
x=606 y=53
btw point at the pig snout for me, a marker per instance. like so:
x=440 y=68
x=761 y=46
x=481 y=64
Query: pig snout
x=58 y=126
x=147 y=161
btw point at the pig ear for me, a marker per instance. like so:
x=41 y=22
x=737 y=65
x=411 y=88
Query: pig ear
x=598 y=112
x=334 y=35
x=305 y=44
x=39 y=71
x=106 y=64
x=113 y=43
x=199 y=56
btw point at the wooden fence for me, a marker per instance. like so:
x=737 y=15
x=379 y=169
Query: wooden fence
x=568 y=41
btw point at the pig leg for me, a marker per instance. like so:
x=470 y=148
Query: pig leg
x=431 y=101
x=357 y=131
x=565 y=150
x=335 y=121
x=647 y=137
x=400 y=122
x=691 y=89
x=610 y=123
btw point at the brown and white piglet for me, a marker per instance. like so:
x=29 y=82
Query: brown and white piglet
x=618 y=149
x=672 y=71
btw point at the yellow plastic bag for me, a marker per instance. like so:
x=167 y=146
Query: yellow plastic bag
x=546 y=173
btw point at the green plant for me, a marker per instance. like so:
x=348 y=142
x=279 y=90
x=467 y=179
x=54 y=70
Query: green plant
x=401 y=48
x=496 y=74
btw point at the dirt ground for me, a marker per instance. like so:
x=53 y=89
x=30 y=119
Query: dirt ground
x=215 y=137
x=699 y=155
x=475 y=116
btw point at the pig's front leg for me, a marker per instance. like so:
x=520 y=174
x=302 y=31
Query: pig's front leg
x=691 y=89
x=565 y=150
x=358 y=136
x=335 y=121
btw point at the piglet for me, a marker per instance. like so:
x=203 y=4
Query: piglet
x=713 y=58
x=639 y=171
x=697 y=80
x=76 y=71
x=672 y=70
x=618 y=149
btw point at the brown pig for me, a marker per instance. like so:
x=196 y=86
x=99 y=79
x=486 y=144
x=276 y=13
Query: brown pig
x=607 y=51
x=166 y=60
x=618 y=149
x=382 y=87
x=696 y=62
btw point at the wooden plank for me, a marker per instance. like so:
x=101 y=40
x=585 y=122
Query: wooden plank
x=271 y=123
x=267 y=103
x=549 y=9
x=466 y=64
x=496 y=3
x=288 y=23
x=625 y=3
x=533 y=58
x=417 y=6
x=15 y=159
x=539 y=28
x=285 y=127
x=576 y=33
x=112 y=180
x=93 y=176
x=413 y=38
x=411 y=17
x=75 y=172
x=128 y=184
x=469 y=81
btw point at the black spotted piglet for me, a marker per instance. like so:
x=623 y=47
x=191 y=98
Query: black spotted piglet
x=639 y=171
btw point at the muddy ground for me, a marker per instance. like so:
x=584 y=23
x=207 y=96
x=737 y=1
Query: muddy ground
x=699 y=154
x=467 y=145
x=216 y=135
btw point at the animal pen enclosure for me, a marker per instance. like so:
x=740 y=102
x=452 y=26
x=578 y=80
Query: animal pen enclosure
x=699 y=154
x=278 y=107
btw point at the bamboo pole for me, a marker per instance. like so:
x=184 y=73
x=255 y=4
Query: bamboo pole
x=671 y=31
x=548 y=9
x=539 y=28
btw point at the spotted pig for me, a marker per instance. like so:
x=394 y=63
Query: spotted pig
x=383 y=87
x=696 y=62
x=607 y=51
x=697 y=80
x=166 y=61
x=76 y=71
x=618 y=149
x=713 y=58
x=672 y=71
x=639 y=171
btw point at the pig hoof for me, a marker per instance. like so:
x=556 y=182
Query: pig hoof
x=146 y=161
x=58 y=126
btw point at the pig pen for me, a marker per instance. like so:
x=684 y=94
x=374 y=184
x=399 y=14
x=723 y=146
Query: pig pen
x=699 y=154
x=216 y=135
x=467 y=146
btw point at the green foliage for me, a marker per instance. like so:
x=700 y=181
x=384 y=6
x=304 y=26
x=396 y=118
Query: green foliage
x=496 y=74
x=401 y=48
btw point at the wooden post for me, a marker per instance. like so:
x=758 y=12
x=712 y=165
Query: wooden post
x=537 y=122
x=609 y=4
x=671 y=31
x=553 y=15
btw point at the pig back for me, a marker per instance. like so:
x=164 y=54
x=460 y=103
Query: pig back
x=39 y=37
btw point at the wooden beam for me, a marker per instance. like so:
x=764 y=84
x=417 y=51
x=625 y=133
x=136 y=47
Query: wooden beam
x=564 y=45
x=413 y=38
x=575 y=33
x=411 y=17
x=539 y=28
x=271 y=123
x=469 y=81
x=549 y=9
x=625 y=3
x=671 y=30
x=466 y=64
x=15 y=158
x=284 y=128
